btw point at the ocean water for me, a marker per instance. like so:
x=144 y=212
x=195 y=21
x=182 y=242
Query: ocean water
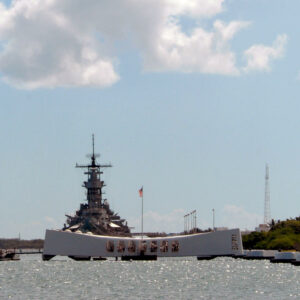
x=179 y=278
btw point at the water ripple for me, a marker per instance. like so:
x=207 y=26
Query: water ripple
x=184 y=278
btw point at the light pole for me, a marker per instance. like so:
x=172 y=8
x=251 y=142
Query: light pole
x=213 y=211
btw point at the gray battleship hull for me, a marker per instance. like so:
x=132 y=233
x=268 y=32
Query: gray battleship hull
x=79 y=245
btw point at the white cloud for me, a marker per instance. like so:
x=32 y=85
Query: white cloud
x=230 y=216
x=49 y=43
x=233 y=216
x=195 y=8
x=259 y=57
x=201 y=51
x=171 y=222
x=41 y=49
x=156 y=222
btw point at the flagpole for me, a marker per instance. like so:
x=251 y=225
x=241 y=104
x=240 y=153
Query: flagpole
x=141 y=192
x=213 y=219
x=143 y=213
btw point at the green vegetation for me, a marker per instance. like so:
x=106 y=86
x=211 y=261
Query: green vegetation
x=283 y=235
x=21 y=244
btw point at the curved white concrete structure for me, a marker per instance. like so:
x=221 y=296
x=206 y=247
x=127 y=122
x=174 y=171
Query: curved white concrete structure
x=219 y=243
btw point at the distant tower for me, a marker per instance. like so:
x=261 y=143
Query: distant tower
x=267 y=217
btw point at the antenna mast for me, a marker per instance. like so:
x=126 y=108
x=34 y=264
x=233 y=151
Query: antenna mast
x=93 y=145
x=267 y=216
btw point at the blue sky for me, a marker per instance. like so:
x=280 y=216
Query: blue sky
x=196 y=135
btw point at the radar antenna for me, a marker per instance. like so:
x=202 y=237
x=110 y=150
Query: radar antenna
x=93 y=157
x=93 y=146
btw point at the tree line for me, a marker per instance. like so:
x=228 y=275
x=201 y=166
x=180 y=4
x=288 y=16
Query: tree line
x=283 y=235
x=21 y=244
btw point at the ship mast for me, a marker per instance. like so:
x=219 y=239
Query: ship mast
x=94 y=184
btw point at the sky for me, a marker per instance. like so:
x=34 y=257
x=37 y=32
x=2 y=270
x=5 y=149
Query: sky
x=188 y=98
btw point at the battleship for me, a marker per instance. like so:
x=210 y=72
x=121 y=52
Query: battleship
x=96 y=232
x=95 y=216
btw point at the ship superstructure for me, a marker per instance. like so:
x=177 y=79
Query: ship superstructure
x=95 y=216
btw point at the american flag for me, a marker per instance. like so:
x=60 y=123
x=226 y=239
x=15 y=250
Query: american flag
x=141 y=192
